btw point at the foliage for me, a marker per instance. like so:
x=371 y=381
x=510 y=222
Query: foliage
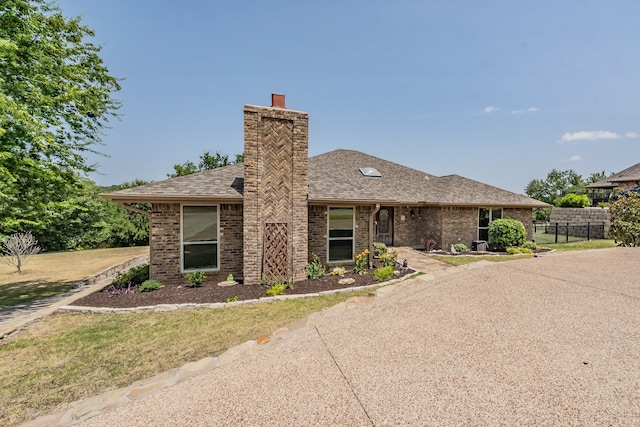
x=389 y=259
x=379 y=249
x=362 y=260
x=625 y=219
x=514 y=250
x=232 y=299
x=55 y=103
x=196 y=278
x=230 y=278
x=504 y=233
x=314 y=268
x=542 y=214
x=530 y=245
x=338 y=271
x=133 y=276
x=276 y=289
x=17 y=250
x=383 y=273
x=572 y=200
x=557 y=184
x=130 y=288
x=207 y=162
x=460 y=247
x=149 y=285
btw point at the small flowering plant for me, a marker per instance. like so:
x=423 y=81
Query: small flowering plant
x=361 y=262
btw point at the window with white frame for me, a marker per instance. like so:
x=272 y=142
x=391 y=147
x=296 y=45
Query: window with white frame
x=485 y=216
x=341 y=232
x=199 y=238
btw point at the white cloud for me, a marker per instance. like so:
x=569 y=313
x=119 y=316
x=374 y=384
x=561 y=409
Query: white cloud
x=528 y=110
x=593 y=135
x=490 y=109
x=575 y=158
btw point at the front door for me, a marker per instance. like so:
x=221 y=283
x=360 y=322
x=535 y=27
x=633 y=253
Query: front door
x=384 y=229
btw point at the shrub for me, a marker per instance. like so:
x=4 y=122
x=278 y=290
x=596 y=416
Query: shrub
x=542 y=214
x=132 y=277
x=530 y=245
x=361 y=262
x=504 y=233
x=625 y=219
x=17 y=250
x=513 y=250
x=460 y=247
x=338 y=271
x=314 y=268
x=232 y=299
x=389 y=259
x=573 y=201
x=196 y=278
x=379 y=249
x=383 y=273
x=149 y=285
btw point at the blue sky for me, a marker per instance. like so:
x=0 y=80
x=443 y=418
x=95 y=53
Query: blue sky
x=497 y=91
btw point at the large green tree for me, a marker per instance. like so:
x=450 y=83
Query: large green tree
x=207 y=161
x=56 y=98
x=557 y=184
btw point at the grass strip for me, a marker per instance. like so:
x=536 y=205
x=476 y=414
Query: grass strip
x=71 y=356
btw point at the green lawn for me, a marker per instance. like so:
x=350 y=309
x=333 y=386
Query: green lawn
x=71 y=356
x=560 y=247
x=49 y=274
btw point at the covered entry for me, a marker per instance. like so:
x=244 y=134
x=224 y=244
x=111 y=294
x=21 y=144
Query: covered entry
x=384 y=226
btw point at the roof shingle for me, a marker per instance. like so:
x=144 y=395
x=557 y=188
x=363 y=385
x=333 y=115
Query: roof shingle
x=335 y=177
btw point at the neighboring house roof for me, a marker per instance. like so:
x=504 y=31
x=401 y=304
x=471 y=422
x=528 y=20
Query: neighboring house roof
x=629 y=174
x=335 y=177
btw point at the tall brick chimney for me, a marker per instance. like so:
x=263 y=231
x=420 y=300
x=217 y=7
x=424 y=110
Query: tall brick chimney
x=276 y=177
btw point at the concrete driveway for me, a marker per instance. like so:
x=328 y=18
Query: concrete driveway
x=553 y=340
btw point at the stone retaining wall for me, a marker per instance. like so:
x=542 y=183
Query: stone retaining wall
x=582 y=216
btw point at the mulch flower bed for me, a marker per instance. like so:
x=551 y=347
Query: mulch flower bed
x=212 y=293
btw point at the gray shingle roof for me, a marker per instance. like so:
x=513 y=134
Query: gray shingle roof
x=629 y=174
x=335 y=177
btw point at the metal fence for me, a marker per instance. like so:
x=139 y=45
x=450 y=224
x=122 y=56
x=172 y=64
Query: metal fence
x=566 y=232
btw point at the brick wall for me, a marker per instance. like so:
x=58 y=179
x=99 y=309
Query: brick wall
x=275 y=185
x=459 y=225
x=164 y=257
x=409 y=230
x=231 y=253
x=318 y=232
x=362 y=214
x=165 y=252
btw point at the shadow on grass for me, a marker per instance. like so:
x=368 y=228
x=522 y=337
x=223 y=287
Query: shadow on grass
x=24 y=292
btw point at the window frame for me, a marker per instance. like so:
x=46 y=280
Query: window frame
x=352 y=238
x=203 y=242
x=491 y=218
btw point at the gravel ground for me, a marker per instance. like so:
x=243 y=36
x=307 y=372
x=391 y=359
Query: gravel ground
x=552 y=340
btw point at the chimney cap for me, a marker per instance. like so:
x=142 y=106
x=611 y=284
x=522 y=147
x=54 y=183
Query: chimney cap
x=277 y=100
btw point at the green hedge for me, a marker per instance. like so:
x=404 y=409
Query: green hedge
x=504 y=233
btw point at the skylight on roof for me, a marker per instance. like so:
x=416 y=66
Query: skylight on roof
x=370 y=172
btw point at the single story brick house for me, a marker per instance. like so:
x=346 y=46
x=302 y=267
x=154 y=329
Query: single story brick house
x=267 y=217
x=624 y=180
